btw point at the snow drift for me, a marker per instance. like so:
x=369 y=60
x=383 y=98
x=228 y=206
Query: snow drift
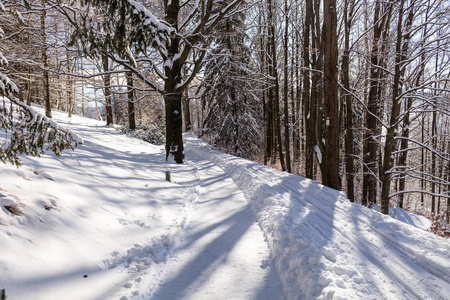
x=325 y=247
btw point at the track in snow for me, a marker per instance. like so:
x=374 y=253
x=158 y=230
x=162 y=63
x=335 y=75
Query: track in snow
x=222 y=253
x=325 y=247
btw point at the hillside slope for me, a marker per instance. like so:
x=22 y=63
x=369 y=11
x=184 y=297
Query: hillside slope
x=101 y=222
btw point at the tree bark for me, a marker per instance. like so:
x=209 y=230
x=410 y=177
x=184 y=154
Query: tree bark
x=317 y=86
x=107 y=90
x=347 y=97
x=70 y=85
x=448 y=187
x=395 y=112
x=267 y=101
x=276 y=91
x=434 y=137
x=371 y=140
x=174 y=125
x=433 y=158
x=46 y=79
x=285 y=92
x=308 y=104
x=186 y=111
x=295 y=96
x=406 y=122
x=172 y=96
x=130 y=106
x=404 y=154
x=331 y=153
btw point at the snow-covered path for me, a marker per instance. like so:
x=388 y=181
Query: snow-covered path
x=102 y=223
x=222 y=253
x=325 y=247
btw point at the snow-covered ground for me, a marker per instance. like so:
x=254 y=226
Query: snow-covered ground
x=101 y=222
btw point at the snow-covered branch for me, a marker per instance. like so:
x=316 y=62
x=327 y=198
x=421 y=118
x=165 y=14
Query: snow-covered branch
x=28 y=132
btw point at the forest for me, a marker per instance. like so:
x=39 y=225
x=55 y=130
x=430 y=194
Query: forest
x=352 y=93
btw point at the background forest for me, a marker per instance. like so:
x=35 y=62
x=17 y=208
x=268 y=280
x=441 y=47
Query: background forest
x=351 y=93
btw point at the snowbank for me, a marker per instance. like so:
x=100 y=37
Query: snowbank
x=325 y=247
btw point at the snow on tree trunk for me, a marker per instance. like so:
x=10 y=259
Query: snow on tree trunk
x=174 y=126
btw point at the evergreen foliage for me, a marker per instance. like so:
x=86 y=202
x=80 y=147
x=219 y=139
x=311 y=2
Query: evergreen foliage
x=151 y=133
x=29 y=132
x=227 y=95
x=120 y=23
x=25 y=131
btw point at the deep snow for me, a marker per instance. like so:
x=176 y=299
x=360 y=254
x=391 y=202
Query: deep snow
x=101 y=222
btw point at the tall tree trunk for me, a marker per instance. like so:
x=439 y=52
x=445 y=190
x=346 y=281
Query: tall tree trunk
x=448 y=186
x=174 y=125
x=186 y=111
x=441 y=174
x=401 y=52
x=434 y=137
x=82 y=82
x=296 y=107
x=370 y=146
x=107 y=90
x=267 y=103
x=270 y=111
x=29 y=80
x=317 y=85
x=308 y=104
x=423 y=183
x=347 y=97
x=276 y=88
x=367 y=85
x=404 y=153
x=331 y=153
x=83 y=102
x=172 y=96
x=433 y=158
x=406 y=122
x=265 y=99
x=69 y=85
x=185 y=101
x=285 y=92
x=46 y=80
x=131 y=98
x=294 y=114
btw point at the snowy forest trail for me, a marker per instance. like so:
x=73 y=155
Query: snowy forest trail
x=222 y=253
x=102 y=223
x=328 y=248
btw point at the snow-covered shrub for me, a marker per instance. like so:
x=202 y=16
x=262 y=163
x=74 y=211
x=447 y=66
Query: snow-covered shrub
x=151 y=133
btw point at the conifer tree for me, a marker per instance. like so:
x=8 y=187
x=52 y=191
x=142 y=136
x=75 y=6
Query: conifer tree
x=227 y=96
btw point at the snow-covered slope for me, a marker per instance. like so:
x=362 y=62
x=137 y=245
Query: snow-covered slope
x=103 y=205
x=325 y=247
x=102 y=223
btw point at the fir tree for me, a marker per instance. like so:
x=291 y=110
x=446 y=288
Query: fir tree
x=227 y=95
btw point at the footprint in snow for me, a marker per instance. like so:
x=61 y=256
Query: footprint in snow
x=124 y=222
x=115 y=210
x=43 y=173
x=11 y=203
x=22 y=174
x=128 y=285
